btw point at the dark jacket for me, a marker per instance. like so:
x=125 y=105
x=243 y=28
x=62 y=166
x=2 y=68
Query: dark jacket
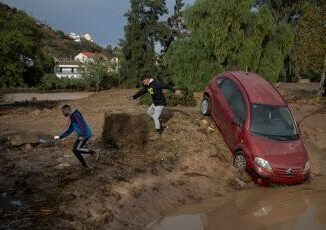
x=155 y=89
x=79 y=125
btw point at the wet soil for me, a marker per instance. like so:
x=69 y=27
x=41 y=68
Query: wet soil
x=43 y=186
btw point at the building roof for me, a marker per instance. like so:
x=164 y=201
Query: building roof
x=259 y=90
x=89 y=54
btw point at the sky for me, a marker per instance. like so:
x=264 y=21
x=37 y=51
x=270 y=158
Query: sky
x=103 y=19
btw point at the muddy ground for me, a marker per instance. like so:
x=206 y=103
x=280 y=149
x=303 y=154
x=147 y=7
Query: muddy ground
x=43 y=186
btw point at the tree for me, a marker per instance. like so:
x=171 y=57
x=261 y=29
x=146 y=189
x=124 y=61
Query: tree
x=96 y=71
x=141 y=33
x=229 y=35
x=311 y=41
x=283 y=10
x=176 y=26
x=20 y=49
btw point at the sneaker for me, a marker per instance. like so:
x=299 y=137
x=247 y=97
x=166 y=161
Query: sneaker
x=161 y=130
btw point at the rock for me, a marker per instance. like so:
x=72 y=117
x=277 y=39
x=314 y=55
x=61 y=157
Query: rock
x=245 y=177
x=28 y=147
x=238 y=184
x=210 y=129
x=46 y=110
x=36 y=112
x=205 y=122
x=17 y=140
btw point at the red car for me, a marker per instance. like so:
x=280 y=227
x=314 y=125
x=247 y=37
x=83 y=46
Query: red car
x=258 y=127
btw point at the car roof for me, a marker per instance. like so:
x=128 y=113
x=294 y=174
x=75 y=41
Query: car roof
x=259 y=90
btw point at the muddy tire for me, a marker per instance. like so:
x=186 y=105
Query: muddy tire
x=205 y=106
x=240 y=161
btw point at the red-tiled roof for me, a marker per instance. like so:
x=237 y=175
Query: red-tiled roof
x=89 y=54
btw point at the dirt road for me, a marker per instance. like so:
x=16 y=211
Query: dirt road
x=43 y=186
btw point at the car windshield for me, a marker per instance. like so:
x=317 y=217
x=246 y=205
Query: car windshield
x=274 y=122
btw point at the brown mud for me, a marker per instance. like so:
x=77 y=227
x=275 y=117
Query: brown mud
x=43 y=186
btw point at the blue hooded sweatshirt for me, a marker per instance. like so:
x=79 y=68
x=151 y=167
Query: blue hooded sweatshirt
x=79 y=125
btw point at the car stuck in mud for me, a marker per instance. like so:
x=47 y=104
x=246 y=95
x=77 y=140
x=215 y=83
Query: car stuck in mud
x=258 y=127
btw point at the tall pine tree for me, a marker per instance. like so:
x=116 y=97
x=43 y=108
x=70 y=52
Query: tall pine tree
x=176 y=25
x=141 y=33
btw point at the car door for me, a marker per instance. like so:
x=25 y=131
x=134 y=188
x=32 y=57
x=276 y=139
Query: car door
x=236 y=119
x=232 y=114
x=224 y=90
x=216 y=103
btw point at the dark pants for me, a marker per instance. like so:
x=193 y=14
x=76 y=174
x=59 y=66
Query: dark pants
x=79 y=150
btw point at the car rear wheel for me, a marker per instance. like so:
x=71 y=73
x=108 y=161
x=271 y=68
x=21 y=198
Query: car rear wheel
x=205 y=106
x=240 y=161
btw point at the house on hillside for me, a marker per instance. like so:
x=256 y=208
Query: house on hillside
x=114 y=65
x=74 y=37
x=85 y=57
x=67 y=68
x=87 y=37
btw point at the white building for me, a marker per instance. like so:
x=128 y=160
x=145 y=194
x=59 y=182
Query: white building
x=87 y=37
x=114 y=65
x=74 y=37
x=69 y=69
x=85 y=57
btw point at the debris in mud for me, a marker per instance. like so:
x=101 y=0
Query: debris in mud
x=237 y=184
x=26 y=141
x=124 y=130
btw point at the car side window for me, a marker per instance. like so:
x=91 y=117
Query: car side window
x=227 y=88
x=238 y=106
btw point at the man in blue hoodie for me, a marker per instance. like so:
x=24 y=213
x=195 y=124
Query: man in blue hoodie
x=83 y=131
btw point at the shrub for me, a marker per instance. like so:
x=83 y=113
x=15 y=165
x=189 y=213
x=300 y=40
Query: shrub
x=52 y=82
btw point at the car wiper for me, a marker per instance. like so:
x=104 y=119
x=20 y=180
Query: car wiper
x=277 y=137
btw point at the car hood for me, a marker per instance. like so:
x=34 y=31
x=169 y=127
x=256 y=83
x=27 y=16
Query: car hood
x=280 y=153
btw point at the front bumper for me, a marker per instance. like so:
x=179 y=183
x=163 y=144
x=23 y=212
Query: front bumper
x=262 y=176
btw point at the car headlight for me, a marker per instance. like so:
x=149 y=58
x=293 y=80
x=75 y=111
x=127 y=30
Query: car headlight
x=263 y=163
x=307 y=166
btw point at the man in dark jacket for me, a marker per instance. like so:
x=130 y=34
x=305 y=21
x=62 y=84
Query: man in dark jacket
x=83 y=131
x=155 y=89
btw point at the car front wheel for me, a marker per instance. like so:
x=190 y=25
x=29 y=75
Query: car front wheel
x=205 y=106
x=240 y=162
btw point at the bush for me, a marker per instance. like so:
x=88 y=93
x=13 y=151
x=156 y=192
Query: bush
x=52 y=82
x=109 y=81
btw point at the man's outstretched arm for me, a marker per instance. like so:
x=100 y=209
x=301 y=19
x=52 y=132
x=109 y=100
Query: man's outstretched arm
x=172 y=89
x=140 y=93
x=67 y=132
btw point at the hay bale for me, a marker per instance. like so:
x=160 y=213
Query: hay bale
x=124 y=130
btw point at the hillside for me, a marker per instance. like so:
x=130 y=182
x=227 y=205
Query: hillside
x=53 y=42
x=28 y=48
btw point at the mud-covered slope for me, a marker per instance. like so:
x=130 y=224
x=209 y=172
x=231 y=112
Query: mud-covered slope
x=43 y=185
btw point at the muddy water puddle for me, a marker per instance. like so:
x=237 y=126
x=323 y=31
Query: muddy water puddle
x=262 y=208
